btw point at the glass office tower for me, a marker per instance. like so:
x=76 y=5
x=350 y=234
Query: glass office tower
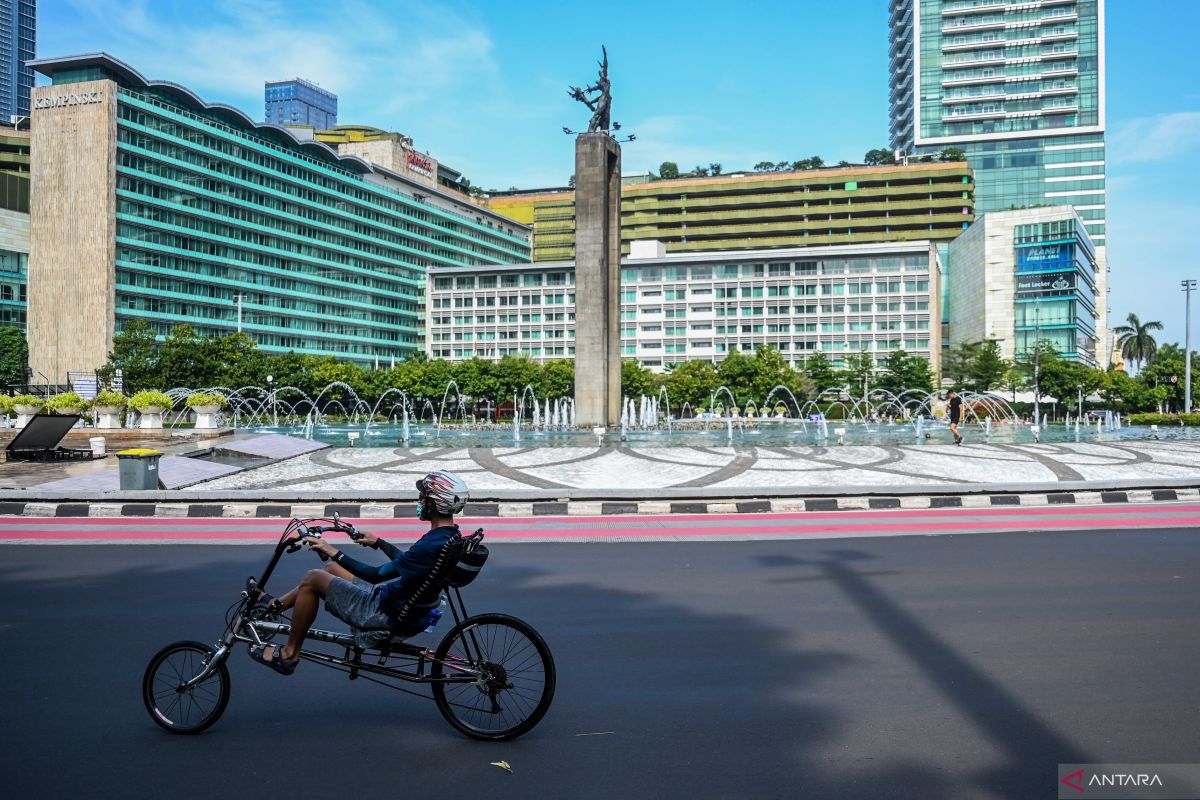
x=1019 y=87
x=298 y=102
x=18 y=40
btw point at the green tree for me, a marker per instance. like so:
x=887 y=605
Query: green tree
x=232 y=361
x=558 y=378
x=180 y=361
x=692 y=382
x=14 y=355
x=771 y=369
x=882 y=155
x=715 y=168
x=764 y=166
x=1135 y=341
x=957 y=362
x=952 y=154
x=1034 y=363
x=820 y=371
x=135 y=354
x=637 y=380
x=1012 y=379
x=476 y=378
x=668 y=169
x=514 y=373
x=859 y=369
x=1065 y=380
x=903 y=371
x=986 y=367
x=737 y=371
x=1165 y=377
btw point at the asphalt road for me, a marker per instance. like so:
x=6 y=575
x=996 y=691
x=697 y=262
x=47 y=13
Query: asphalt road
x=907 y=667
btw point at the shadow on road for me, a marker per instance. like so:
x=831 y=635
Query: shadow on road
x=674 y=680
x=1014 y=730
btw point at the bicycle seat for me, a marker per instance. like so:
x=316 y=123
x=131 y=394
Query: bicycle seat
x=376 y=639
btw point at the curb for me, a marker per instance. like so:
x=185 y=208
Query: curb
x=590 y=508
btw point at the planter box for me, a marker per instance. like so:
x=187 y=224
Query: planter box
x=151 y=418
x=24 y=414
x=206 y=417
x=108 y=416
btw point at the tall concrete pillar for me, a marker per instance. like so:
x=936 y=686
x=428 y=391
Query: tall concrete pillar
x=597 y=279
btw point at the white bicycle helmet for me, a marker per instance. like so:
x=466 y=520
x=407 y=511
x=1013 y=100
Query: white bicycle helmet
x=447 y=491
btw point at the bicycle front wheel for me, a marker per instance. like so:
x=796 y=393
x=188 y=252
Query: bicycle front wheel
x=514 y=682
x=178 y=709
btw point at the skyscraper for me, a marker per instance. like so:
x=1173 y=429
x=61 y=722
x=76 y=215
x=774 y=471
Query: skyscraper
x=18 y=41
x=298 y=102
x=1019 y=87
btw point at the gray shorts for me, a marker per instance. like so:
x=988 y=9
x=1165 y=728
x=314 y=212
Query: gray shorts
x=357 y=605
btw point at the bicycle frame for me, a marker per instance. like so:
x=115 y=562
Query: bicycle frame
x=245 y=629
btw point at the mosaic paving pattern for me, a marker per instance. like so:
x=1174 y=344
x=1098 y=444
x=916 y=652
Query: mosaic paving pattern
x=785 y=468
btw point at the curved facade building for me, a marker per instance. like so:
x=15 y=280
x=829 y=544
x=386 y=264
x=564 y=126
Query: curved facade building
x=152 y=204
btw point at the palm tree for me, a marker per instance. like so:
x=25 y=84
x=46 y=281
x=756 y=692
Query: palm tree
x=1135 y=341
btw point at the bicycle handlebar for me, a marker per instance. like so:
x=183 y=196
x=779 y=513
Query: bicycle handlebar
x=315 y=531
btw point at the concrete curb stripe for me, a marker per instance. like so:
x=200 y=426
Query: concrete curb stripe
x=578 y=508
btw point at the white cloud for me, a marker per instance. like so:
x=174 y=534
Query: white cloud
x=1161 y=137
x=380 y=60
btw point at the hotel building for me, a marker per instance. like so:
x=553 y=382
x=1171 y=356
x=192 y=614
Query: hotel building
x=874 y=298
x=152 y=204
x=766 y=210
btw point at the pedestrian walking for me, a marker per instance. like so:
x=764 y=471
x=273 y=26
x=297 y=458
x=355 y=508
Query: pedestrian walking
x=955 y=412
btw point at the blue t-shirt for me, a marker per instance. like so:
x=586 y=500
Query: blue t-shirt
x=404 y=573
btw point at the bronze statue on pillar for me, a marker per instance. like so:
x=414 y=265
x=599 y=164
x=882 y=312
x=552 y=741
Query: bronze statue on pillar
x=601 y=105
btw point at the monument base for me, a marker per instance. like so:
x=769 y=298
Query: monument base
x=597 y=280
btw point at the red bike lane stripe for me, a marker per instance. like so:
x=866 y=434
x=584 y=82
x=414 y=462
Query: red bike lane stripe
x=847 y=527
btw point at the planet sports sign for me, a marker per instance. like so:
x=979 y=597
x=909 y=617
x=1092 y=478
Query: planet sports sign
x=81 y=99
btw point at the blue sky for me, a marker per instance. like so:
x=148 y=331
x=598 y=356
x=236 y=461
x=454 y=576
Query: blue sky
x=482 y=86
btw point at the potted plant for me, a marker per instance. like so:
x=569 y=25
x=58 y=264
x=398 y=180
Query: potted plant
x=66 y=403
x=107 y=406
x=26 y=405
x=150 y=404
x=206 y=407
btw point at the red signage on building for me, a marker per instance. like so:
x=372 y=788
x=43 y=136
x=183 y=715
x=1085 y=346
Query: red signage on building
x=419 y=163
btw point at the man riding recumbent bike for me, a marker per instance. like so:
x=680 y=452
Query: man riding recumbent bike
x=491 y=676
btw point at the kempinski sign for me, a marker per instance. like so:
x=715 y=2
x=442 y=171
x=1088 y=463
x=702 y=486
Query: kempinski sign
x=81 y=99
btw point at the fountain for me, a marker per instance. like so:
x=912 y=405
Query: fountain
x=393 y=417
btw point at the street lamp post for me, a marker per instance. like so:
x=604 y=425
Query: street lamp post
x=1037 y=361
x=271 y=394
x=1188 y=286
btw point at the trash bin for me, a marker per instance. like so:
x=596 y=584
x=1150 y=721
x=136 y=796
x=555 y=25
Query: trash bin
x=138 y=468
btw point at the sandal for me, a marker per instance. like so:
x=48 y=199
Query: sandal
x=266 y=602
x=276 y=661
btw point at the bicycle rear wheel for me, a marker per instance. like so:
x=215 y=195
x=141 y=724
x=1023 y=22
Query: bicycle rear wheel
x=515 y=685
x=180 y=710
